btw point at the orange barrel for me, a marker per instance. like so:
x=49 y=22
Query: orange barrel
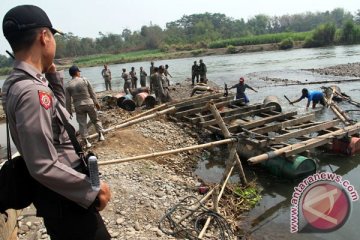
x=272 y=101
x=140 y=98
x=150 y=101
x=128 y=103
x=348 y=146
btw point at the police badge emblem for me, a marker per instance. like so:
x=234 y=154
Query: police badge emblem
x=45 y=99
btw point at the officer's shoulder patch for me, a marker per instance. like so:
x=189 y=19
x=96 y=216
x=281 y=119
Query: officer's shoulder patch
x=45 y=99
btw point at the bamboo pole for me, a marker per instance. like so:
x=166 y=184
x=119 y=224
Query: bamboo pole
x=8 y=225
x=137 y=120
x=229 y=168
x=146 y=112
x=227 y=134
x=278 y=152
x=157 y=154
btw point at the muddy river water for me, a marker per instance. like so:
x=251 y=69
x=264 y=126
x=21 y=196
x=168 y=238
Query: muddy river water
x=270 y=219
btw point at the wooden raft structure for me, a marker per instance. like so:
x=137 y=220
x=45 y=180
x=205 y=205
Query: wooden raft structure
x=271 y=132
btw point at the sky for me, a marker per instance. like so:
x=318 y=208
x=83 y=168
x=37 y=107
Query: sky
x=86 y=18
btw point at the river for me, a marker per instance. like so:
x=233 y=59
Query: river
x=270 y=219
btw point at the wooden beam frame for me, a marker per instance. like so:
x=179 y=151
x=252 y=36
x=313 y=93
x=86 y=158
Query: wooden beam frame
x=304 y=131
x=205 y=108
x=239 y=115
x=261 y=122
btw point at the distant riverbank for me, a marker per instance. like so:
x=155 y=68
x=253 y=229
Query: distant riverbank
x=153 y=55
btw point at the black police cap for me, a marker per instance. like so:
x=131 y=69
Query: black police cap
x=73 y=69
x=25 y=17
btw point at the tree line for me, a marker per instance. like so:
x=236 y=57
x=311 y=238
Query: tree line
x=201 y=30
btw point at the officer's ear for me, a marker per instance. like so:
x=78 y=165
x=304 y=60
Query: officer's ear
x=45 y=36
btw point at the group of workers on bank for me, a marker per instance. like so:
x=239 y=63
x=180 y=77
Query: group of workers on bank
x=159 y=80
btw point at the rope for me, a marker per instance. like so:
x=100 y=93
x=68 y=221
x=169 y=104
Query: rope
x=195 y=222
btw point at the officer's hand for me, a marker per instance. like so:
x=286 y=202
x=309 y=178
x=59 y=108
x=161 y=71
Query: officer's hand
x=97 y=106
x=52 y=68
x=104 y=196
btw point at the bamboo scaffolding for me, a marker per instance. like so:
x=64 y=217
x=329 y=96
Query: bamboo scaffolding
x=157 y=154
x=8 y=225
x=136 y=120
x=227 y=135
x=305 y=145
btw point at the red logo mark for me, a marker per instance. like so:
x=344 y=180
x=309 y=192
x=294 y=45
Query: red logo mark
x=326 y=207
x=45 y=99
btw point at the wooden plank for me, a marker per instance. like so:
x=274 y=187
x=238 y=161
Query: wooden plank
x=201 y=103
x=287 y=123
x=228 y=112
x=8 y=226
x=202 y=109
x=303 y=131
x=195 y=99
x=239 y=115
x=306 y=145
x=263 y=121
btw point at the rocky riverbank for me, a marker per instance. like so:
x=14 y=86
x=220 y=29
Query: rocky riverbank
x=142 y=191
x=349 y=69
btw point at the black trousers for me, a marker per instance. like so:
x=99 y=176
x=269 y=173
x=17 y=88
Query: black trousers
x=66 y=220
x=86 y=226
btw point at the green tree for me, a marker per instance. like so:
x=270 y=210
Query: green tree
x=260 y=24
x=323 y=35
x=153 y=36
x=5 y=61
x=350 y=33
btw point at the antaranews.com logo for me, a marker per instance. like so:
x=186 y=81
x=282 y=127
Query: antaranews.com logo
x=321 y=203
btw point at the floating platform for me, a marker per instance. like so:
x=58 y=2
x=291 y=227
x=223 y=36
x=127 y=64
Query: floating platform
x=264 y=132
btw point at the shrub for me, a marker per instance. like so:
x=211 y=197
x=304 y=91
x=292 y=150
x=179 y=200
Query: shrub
x=231 y=49
x=323 y=35
x=286 y=44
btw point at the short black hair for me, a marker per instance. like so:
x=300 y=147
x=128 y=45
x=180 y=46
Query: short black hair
x=304 y=91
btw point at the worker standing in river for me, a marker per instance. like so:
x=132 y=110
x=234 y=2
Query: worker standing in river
x=240 y=90
x=313 y=96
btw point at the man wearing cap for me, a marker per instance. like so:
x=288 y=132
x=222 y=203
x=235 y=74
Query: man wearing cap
x=106 y=74
x=313 y=96
x=63 y=196
x=240 y=89
x=194 y=73
x=82 y=94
